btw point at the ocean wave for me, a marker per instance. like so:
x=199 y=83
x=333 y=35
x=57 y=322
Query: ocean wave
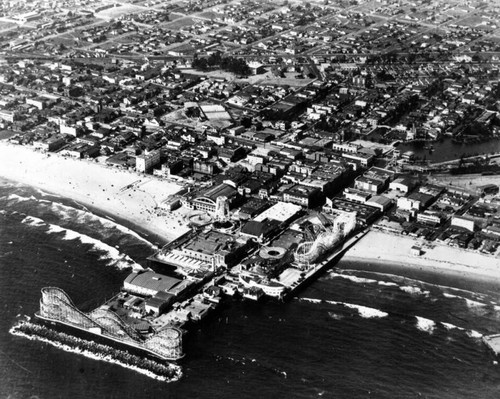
x=68 y=212
x=470 y=302
x=312 y=300
x=367 y=312
x=354 y=279
x=410 y=289
x=71 y=213
x=474 y=304
x=426 y=325
x=387 y=283
x=474 y=334
x=33 y=221
x=448 y=295
x=402 y=280
x=362 y=280
x=335 y=316
x=363 y=311
x=450 y=326
x=20 y=330
x=116 y=258
x=19 y=198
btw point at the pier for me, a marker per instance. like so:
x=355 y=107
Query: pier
x=493 y=342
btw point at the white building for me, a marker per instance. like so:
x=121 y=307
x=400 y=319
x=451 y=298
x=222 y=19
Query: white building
x=460 y=221
x=146 y=161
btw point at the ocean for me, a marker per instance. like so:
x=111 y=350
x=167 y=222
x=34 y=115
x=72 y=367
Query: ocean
x=356 y=332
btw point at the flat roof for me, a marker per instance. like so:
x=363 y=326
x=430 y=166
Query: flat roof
x=152 y=281
x=281 y=211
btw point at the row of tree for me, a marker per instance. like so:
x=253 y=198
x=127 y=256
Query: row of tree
x=231 y=64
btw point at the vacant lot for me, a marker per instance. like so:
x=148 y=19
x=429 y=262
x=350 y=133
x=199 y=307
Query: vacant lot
x=119 y=11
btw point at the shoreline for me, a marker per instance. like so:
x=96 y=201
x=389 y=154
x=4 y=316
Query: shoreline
x=390 y=253
x=100 y=188
x=131 y=199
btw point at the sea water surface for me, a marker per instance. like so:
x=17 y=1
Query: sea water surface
x=352 y=333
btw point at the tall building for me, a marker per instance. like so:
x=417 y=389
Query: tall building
x=145 y=162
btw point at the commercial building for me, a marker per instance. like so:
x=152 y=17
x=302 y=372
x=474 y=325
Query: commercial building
x=146 y=162
x=415 y=201
x=281 y=212
x=303 y=195
x=150 y=284
x=50 y=144
x=463 y=222
x=379 y=201
x=403 y=184
x=207 y=201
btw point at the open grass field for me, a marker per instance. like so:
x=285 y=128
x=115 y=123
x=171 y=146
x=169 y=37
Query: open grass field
x=180 y=23
x=119 y=11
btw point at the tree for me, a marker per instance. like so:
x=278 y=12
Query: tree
x=246 y=122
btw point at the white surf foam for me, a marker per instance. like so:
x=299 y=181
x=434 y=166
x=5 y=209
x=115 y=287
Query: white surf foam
x=33 y=221
x=312 y=300
x=474 y=334
x=387 y=283
x=354 y=279
x=19 y=198
x=450 y=326
x=367 y=312
x=116 y=258
x=474 y=304
x=362 y=280
x=448 y=295
x=425 y=325
x=69 y=212
x=335 y=316
x=412 y=290
x=470 y=302
x=363 y=311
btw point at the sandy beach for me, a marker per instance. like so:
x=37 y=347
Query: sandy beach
x=117 y=192
x=389 y=249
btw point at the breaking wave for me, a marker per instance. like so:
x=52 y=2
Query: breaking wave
x=450 y=326
x=354 y=279
x=363 y=311
x=409 y=289
x=425 y=325
x=422 y=323
x=68 y=212
x=33 y=221
x=362 y=280
x=19 y=198
x=474 y=334
x=85 y=216
x=312 y=300
x=469 y=302
x=115 y=257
